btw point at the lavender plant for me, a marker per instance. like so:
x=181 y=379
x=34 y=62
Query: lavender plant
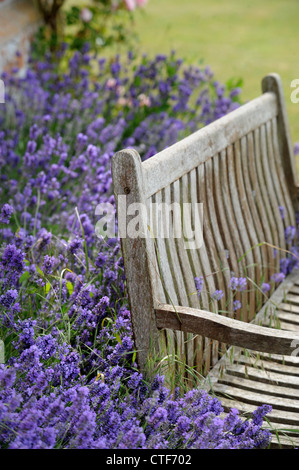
x=70 y=378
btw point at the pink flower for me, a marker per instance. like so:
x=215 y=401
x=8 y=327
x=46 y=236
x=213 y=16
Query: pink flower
x=85 y=15
x=130 y=4
x=124 y=102
x=144 y=100
x=141 y=3
x=111 y=83
x=114 y=4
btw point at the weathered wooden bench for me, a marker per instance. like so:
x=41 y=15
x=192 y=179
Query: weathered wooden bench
x=242 y=170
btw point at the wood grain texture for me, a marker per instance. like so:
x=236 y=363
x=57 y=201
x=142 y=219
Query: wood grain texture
x=137 y=253
x=227 y=330
x=261 y=216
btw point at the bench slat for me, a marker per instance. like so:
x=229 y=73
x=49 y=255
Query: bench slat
x=272 y=366
x=264 y=184
x=287 y=307
x=215 y=240
x=260 y=387
x=276 y=416
x=253 y=162
x=263 y=376
x=288 y=317
x=255 y=398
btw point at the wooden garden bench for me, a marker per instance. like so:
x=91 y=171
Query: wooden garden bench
x=241 y=168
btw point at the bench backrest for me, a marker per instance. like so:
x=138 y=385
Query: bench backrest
x=242 y=169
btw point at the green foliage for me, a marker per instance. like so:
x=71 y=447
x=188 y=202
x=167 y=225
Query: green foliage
x=101 y=23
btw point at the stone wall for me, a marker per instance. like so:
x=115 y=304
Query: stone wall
x=19 y=19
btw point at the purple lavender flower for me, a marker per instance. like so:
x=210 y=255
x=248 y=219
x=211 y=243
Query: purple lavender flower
x=282 y=211
x=265 y=287
x=234 y=283
x=12 y=258
x=278 y=277
x=285 y=264
x=238 y=284
x=242 y=283
x=101 y=260
x=296 y=148
x=5 y=214
x=259 y=413
x=44 y=238
x=290 y=233
x=71 y=377
x=199 y=282
x=217 y=295
x=75 y=245
x=9 y=297
x=158 y=417
x=49 y=264
x=236 y=305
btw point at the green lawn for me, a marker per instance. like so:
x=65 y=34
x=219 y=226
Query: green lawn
x=237 y=38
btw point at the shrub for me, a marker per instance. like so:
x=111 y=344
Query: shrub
x=70 y=378
x=100 y=22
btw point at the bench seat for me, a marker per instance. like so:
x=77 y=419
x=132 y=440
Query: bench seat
x=244 y=379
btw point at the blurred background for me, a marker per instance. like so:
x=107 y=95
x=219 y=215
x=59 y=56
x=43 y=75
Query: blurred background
x=239 y=39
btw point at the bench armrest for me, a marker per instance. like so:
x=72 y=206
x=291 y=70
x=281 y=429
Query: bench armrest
x=226 y=330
